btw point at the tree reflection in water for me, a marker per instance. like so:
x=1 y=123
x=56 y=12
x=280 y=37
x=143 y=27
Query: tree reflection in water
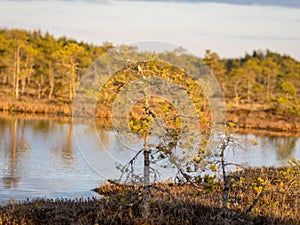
x=16 y=144
x=285 y=147
x=40 y=152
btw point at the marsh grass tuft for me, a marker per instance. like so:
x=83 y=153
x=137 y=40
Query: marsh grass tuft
x=177 y=203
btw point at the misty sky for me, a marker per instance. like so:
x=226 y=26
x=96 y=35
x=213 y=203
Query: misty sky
x=286 y=3
x=229 y=29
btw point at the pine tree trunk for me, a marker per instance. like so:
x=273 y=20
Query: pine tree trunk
x=146 y=193
x=17 y=73
x=147 y=151
x=51 y=80
x=249 y=88
x=268 y=86
x=39 y=89
x=236 y=94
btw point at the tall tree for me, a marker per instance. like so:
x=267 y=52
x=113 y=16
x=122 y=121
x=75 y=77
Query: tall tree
x=27 y=70
x=270 y=70
x=19 y=41
x=70 y=58
x=252 y=69
x=216 y=66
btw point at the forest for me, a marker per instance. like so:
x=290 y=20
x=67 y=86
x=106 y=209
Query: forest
x=39 y=71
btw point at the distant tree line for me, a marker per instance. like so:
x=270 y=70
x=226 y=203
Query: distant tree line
x=262 y=78
x=39 y=66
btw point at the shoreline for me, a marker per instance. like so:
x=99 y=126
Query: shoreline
x=173 y=203
x=258 y=121
x=264 y=120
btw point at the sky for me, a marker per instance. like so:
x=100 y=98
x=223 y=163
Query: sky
x=286 y=3
x=231 y=30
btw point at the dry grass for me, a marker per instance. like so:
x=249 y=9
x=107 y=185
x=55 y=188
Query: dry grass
x=268 y=120
x=169 y=204
x=31 y=106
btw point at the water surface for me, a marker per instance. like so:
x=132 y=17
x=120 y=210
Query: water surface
x=40 y=157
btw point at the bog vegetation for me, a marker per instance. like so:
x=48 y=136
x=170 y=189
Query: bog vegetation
x=44 y=71
x=275 y=192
